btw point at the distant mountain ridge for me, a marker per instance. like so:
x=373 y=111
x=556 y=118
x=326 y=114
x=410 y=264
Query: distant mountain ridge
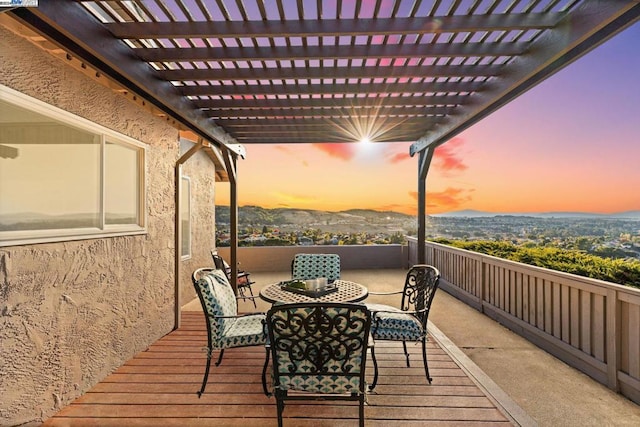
x=278 y=216
x=470 y=213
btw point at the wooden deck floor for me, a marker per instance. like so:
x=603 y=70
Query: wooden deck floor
x=158 y=388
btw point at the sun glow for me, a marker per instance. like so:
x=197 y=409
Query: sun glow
x=368 y=122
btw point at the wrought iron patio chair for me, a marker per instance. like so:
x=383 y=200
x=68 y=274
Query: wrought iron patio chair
x=318 y=351
x=225 y=327
x=244 y=281
x=409 y=321
x=312 y=266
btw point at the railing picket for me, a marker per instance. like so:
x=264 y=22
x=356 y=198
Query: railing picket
x=566 y=314
x=614 y=348
x=512 y=293
x=585 y=322
x=532 y=303
x=525 y=297
x=575 y=317
x=557 y=310
x=634 y=341
x=598 y=327
x=625 y=333
x=548 y=307
x=518 y=291
x=540 y=303
x=501 y=289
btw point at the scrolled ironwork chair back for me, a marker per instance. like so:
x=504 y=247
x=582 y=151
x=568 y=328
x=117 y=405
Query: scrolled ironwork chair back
x=419 y=289
x=319 y=347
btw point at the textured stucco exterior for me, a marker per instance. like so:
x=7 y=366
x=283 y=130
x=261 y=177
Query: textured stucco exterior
x=200 y=170
x=72 y=312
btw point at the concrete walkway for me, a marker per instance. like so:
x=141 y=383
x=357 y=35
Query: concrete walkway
x=548 y=390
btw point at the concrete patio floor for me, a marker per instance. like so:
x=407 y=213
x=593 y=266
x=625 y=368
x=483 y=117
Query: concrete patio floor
x=548 y=390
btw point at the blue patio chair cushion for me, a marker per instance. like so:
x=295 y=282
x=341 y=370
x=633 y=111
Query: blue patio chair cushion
x=391 y=323
x=221 y=301
x=244 y=331
x=312 y=266
x=341 y=372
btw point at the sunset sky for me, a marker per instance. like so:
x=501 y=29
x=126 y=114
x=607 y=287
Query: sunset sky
x=570 y=144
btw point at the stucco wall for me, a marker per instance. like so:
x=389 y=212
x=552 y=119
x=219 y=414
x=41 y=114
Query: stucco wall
x=200 y=170
x=72 y=312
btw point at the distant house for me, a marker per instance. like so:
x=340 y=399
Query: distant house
x=94 y=273
x=255 y=239
x=305 y=241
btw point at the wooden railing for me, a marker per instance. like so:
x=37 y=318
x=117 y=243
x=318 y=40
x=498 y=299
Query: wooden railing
x=590 y=324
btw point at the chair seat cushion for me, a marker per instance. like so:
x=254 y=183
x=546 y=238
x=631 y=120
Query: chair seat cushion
x=391 y=323
x=331 y=384
x=244 y=331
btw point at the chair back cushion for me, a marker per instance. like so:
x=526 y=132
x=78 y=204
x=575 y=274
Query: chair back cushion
x=319 y=347
x=312 y=266
x=218 y=299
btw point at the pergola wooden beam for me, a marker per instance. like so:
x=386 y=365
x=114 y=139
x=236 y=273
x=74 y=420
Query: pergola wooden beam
x=380 y=72
x=334 y=88
x=355 y=102
x=335 y=27
x=331 y=52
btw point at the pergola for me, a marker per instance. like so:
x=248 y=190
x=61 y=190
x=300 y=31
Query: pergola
x=239 y=72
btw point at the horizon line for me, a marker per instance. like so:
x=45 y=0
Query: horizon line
x=459 y=211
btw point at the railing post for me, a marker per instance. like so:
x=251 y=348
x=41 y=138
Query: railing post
x=481 y=282
x=613 y=339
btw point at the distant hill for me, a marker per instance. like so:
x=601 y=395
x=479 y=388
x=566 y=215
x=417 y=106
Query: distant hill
x=470 y=213
x=467 y=213
x=256 y=215
x=348 y=220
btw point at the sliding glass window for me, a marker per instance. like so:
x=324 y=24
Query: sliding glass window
x=63 y=177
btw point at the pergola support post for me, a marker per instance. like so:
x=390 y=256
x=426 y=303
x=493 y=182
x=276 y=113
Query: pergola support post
x=231 y=165
x=423 y=168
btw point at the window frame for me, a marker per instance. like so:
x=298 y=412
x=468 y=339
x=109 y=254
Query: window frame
x=185 y=191
x=106 y=135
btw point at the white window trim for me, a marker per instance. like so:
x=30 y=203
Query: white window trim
x=185 y=180
x=15 y=238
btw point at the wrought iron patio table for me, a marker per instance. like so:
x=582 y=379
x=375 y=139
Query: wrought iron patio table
x=347 y=292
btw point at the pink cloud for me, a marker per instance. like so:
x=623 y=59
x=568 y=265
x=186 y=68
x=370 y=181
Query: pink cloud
x=283 y=148
x=447 y=156
x=339 y=151
x=399 y=157
x=396 y=153
x=447 y=200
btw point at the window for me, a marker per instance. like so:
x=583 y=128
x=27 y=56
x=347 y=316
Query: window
x=63 y=177
x=185 y=217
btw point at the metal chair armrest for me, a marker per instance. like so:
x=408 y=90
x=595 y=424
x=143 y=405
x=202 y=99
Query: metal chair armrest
x=385 y=293
x=237 y=316
x=375 y=312
x=253 y=298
